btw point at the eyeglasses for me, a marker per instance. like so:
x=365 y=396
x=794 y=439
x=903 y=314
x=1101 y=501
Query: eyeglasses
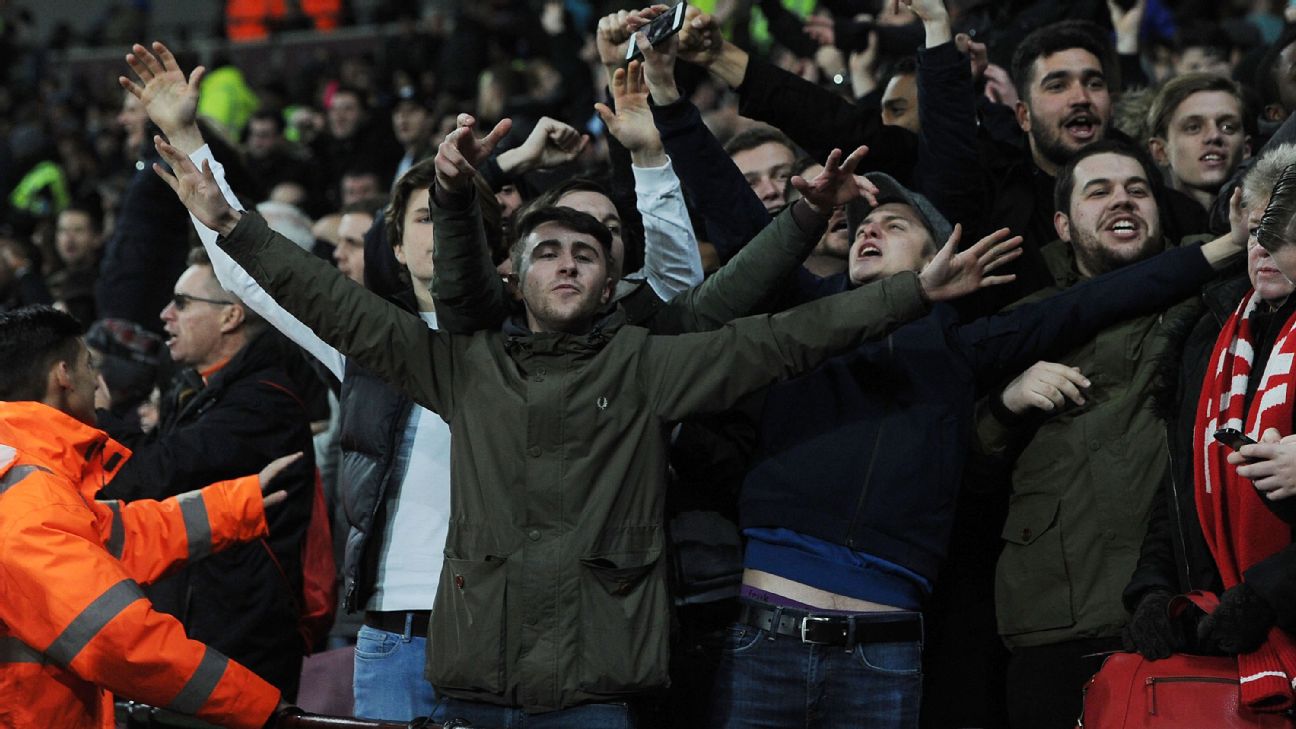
x=180 y=301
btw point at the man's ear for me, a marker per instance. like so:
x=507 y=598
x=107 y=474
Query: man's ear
x=1062 y=224
x=1274 y=112
x=1023 y=116
x=57 y=383
x=1246 y=148
x=609 y=285
x=60 y=377
x=1157 y=148
x=233 y=317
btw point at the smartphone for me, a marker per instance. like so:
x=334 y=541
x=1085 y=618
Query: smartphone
x=662 y=27
x=1233 y=438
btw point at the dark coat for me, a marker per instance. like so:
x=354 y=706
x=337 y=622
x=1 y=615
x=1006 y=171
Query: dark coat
x=245 y=601
x=146 y=252
x=1174 y=555
x=902 y=407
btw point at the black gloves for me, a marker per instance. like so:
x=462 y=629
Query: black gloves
x=1151 y=632
x=1240 y=623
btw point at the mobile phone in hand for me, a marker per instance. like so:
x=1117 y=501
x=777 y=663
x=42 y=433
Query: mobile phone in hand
x=1233 y=438
x=662 y=27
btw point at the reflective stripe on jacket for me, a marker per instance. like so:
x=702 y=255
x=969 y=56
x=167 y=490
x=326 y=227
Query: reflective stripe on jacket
x=74 y=625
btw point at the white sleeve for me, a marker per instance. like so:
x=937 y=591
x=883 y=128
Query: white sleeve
x=672 y=263
x=238 y=282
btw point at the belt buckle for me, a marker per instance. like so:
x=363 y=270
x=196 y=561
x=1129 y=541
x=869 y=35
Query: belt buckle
x=806 y=621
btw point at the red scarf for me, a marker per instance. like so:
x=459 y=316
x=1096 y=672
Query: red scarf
x=1239 y=529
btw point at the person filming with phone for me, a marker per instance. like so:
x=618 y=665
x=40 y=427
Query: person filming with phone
x=1223 y=521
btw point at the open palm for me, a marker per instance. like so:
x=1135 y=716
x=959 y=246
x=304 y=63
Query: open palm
x=170 y=99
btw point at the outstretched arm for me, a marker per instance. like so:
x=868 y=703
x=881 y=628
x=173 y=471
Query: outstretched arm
x=98 y=624
x=763 y=267
x=708 y=372
x=469 y=295
x=152 y=537
x=672 y=262
x=382 y=337
x=815 y=118
x=732 y=212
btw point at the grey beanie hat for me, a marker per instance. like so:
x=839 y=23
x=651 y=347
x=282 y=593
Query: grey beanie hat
x=890 y=191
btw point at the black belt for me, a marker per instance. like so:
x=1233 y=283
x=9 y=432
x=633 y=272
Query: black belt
x=393 y=621
x=833 y=629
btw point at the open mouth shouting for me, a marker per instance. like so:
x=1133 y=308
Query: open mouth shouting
x=1082 y=126
x=868 y=250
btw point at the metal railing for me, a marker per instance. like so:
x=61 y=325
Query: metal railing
x=134 y=715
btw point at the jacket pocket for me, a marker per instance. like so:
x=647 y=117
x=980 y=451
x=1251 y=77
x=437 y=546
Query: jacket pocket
x=624 y=634
x=466 y=634
x=1032 y=587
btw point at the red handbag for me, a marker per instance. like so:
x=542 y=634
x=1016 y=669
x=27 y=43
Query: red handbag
x=1179 y=692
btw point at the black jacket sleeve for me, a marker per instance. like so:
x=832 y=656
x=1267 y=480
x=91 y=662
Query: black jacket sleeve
x=949 y=167
x=238 y=436
x=1013 y=340
x=819 y=120
x=731 y=211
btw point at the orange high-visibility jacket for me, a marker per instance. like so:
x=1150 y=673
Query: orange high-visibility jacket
x=74 y=625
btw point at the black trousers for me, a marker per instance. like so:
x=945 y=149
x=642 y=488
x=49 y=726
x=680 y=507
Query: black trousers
x=1046 y=683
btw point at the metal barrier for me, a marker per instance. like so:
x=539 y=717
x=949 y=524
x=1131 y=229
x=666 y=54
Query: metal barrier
x=134 y=715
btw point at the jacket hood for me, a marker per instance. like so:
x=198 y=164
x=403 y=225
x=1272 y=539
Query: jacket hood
x=519 y=338
x=55 y=440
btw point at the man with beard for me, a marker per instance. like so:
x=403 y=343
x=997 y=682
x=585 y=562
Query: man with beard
x=1085 y=449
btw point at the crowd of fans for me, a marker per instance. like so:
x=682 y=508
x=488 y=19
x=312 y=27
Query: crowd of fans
x=977 y=504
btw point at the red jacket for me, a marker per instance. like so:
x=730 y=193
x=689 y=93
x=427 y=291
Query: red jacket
x=74 y=625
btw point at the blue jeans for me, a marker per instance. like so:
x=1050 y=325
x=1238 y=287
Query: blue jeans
x=489 y=716
x=389 y=681
x=775 y=681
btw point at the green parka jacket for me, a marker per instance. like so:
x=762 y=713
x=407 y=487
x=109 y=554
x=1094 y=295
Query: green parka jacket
x=553 y=591
x=1082 y=482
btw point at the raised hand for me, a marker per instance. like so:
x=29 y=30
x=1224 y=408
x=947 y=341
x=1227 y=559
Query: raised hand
x=978 y=54
x=658 y=60
x=550 y=143
x=700 y=40
x=1045 y=386
x=270 y=472
x=1126 y=24
x=1224 y=249
x=197 y=189
x=926 y=10
x=632 y=123
x=822 y=29
x=460 y=152
x=837 y=184
x=170 y=98
x=614 y=32
x=952 y=274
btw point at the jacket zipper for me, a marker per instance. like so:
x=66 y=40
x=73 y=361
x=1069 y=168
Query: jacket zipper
x=1174 y=494
x=868 y=474
x=1152 y=681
